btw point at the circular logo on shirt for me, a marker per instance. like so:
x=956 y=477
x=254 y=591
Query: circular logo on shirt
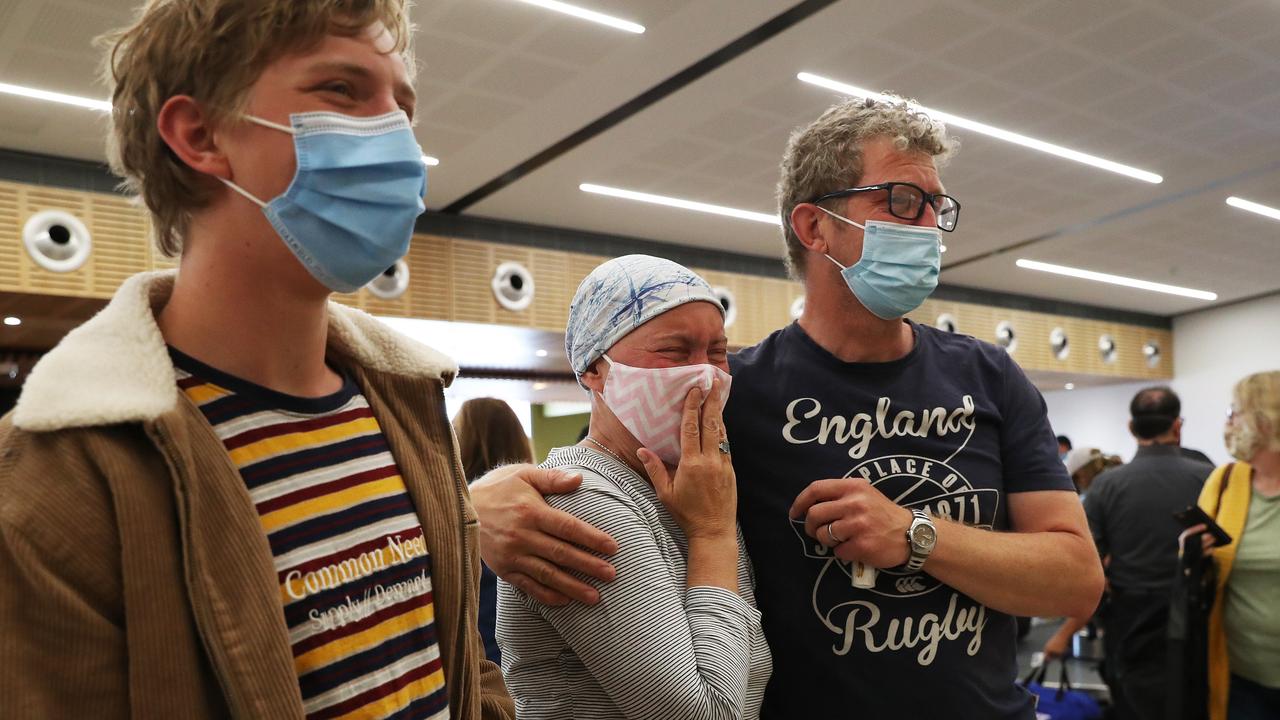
x=932 y=486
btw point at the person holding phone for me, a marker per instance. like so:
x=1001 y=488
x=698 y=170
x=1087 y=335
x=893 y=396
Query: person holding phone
x=1244 y=498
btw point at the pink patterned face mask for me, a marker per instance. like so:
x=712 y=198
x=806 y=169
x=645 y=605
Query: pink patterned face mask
x=649 y=401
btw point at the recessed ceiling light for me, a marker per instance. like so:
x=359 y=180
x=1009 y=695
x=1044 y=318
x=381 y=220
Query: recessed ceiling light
x=585 y=14
x=1069 y=386
x=1116 y=279
x=1254 y=207
x=539 y=386
x=682 y=204
x=430 y=161
x=12 y=321
x=57 y=97
x=992 y=131
x=541 y=353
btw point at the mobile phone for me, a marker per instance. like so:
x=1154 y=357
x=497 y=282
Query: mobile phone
x=1193 y=515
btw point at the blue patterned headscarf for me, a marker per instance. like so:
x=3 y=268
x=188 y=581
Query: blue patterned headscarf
x=621 y=295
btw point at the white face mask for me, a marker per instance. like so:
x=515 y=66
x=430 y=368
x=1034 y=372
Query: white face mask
x=649 y=402
x=1242 y=440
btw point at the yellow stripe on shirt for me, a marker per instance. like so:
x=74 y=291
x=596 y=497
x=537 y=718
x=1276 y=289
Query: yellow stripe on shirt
x=329 y=653
x=201 y=394
x=267 y=447
x=325 y=504
x=390 y=704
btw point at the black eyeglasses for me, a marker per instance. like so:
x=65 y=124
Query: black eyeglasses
x=907 y=201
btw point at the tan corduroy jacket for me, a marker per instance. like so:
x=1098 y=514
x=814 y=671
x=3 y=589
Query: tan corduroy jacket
x=135 y=579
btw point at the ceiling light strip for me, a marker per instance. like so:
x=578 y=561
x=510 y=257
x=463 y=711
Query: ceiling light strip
x=585 y=14
x=101 y=105
x=1116 y=279
x=1253 y=207
x=992 y=131
x=46 y=95
x=682 y=204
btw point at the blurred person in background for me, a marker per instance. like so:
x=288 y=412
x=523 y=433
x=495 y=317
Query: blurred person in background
x=1244 y=498
x=1131 y=515
x=1083 y=465
x=489 y=435
x=677 y=633
x=1064 y=447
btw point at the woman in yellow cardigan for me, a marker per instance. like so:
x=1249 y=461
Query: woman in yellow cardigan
x=1244 y=626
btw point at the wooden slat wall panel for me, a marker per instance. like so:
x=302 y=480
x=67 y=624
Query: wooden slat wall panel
x=398 y=307
x=553 y=291
x=120 y=242
x=450 y=280
x=473 y=268
x=11 y=251
x=1034 y=352
x=430 y=271
x=719 y=279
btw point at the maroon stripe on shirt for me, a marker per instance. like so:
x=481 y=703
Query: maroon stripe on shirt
x=349 y=517
x=262 y=433
x=331 y=456
x=333 y=486
x=368 y=696
x=189 y=382
x=324 y=638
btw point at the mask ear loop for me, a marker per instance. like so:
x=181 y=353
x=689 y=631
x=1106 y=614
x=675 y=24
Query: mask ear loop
x=244 y=192
x=266 y=124
x=842 y=219
x=608 y=360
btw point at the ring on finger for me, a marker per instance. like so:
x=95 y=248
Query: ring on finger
x=724 y=446
x=834 y=540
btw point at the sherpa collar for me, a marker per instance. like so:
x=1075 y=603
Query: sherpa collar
x=115 y=368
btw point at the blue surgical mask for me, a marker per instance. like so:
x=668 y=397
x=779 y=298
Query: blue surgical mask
x=349 y=213
x=898 y=269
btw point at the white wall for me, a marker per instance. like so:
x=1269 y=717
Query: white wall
x=1212 y=350
x=1095 y=417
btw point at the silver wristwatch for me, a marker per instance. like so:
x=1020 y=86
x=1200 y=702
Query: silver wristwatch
x=921 y=537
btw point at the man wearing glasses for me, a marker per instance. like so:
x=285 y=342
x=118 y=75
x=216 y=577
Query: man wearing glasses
x=899 y=487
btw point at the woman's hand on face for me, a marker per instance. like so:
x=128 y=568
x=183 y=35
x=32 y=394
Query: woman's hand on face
x=703 y=494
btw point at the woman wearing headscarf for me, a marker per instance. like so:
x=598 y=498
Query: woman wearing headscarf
x=677 y=633
x=1244 y=498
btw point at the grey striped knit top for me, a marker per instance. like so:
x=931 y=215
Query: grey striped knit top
x=652 y=647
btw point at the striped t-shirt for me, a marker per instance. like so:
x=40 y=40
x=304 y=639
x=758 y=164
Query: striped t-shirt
x=350 y=556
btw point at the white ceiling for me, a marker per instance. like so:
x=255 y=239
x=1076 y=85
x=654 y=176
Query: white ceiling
x=1185 y=88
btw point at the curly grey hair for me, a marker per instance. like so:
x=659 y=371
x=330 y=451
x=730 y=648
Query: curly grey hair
x=826 y=155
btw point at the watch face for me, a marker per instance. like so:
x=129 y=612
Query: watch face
x=923 y=536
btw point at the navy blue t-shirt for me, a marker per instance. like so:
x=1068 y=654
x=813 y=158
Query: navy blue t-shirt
x=953 y=428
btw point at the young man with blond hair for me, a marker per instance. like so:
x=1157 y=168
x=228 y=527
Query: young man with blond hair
x=225 y=495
